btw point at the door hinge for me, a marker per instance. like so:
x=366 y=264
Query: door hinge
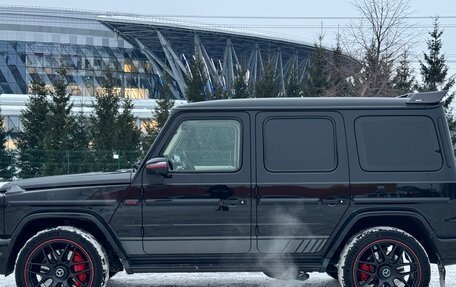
x=257 y=231
x=142 y=190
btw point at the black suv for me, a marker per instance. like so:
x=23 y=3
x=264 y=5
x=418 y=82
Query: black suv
x=360 y=188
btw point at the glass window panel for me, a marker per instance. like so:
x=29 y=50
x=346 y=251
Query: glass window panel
x=398 y=143
x=299 y=145
x=56 y=38
x=206 y=146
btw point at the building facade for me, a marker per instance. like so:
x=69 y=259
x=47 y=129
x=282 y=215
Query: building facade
x=35 y=42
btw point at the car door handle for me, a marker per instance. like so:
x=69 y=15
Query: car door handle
x=232 y=202
x=334 y=202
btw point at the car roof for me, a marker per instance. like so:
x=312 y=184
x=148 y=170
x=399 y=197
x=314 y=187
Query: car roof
x=305 y=103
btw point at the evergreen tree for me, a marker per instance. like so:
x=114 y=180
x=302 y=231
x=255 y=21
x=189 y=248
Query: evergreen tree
x=80 y=157
x=434 y=72
x=128 y=135
x=404 y=81
x=31 y=141
x=374 y=78
x=267 y=86
x=5 y=156
x=218 y=93
x=103 y=124
x=196 y=81
x=164 y=104
x=240 y=87
x=294 y=86
x=160 y=113
x=317 y=81
x=58 y=121
x=339 y=86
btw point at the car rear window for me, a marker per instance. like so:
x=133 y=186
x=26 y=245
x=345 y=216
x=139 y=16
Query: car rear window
x=397 y=143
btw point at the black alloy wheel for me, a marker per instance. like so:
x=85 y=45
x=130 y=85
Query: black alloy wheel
x=384 y=257
x=65 y=257
x=59 y=262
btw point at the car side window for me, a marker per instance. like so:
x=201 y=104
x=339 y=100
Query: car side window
x=205 y=146
x=299 y=145
x=397 y=143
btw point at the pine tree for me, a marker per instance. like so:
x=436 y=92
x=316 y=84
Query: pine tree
x=434 y=70
x=317 y=81
x=218 y=93
x=294 y=86
x=31 y=141
x=103 y=124
x=128 y=135
x=404 y=80
x=434 y=73
x=5 y=156
x=196 y=80
x=58 y=121
x=80 y=157
x=339 y=86
x=267 y=86
x=240 y=87
x=374 y=78
x=160 y=113
x=164 y=104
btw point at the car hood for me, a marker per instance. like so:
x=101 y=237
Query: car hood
x=73 y=180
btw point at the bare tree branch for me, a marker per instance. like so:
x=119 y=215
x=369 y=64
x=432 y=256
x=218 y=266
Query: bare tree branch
x=377 y=40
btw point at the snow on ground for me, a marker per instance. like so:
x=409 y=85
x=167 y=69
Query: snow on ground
x=228 y=279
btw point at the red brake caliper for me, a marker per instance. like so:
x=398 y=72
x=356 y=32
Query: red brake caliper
x=79 y=267
x=365 y=267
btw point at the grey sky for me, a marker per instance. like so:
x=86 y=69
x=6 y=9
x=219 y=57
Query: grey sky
x=282 y=8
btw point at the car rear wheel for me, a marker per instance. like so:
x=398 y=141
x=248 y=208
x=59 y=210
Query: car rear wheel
x=384 y=257
x=62 y=256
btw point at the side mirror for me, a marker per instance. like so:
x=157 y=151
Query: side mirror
x=158 y=165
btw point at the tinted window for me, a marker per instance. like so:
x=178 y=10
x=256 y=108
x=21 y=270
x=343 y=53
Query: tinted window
x=299 y=145
x=205 y=145
x=395 y=143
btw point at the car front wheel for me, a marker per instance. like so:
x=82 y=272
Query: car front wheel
x=383 y=257
x=62 y=256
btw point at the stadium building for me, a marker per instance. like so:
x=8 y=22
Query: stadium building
x=35 y=42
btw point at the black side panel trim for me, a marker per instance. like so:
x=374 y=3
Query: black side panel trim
x=62 y=203
x=390 y=200
x=220 y=263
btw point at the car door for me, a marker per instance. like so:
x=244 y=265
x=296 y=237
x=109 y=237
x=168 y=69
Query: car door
x=302 y=180
x=204 y=204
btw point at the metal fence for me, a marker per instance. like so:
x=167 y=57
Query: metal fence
x=33 y=163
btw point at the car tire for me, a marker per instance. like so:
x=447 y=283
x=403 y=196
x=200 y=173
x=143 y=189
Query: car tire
x=62 y=256
x=383 y=256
